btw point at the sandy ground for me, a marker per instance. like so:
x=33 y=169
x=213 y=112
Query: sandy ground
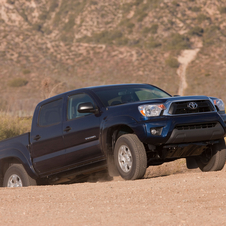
x=188 y=198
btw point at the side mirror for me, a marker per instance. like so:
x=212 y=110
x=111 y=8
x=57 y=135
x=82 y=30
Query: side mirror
x=87 y=108
x=176 y=95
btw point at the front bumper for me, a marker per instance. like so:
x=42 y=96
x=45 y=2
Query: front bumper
x=186 y=128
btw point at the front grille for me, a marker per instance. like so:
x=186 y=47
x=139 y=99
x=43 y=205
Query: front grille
x=196 y=126
x=177 y=108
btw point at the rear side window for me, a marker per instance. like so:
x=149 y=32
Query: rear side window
x=51 y=113
x=73 y=103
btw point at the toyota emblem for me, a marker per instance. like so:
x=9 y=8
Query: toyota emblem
x=193 y=105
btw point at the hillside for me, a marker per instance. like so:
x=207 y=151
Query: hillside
x=47 y=47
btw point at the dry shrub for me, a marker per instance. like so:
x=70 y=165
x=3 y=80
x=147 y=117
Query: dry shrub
x=17 y=82
x=172 y=62
x=11 y=126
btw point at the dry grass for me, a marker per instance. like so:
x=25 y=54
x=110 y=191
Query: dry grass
x=11 y=126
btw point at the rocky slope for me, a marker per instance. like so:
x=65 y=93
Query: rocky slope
x=47 y=47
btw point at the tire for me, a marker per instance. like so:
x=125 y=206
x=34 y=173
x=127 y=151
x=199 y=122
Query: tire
x=130 y=157
x=16 y=176
x=213 y=159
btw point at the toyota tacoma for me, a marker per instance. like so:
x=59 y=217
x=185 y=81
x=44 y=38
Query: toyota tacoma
x=121 y=129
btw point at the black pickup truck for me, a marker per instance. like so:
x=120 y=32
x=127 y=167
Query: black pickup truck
x=120 y=128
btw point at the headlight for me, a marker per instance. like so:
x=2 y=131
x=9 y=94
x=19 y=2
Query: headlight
x=219 y=104
x=151 y=110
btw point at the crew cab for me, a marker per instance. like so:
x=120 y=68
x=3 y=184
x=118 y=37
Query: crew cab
x=119 y=128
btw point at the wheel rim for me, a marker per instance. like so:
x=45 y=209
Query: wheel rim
x=14 y=181
x=125 y=158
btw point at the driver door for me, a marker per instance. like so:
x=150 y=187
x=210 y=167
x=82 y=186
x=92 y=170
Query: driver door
x=81 y=133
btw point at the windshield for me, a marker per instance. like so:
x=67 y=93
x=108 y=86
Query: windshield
x=111 y=96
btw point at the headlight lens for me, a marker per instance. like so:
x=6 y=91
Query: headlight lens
x=220 y=104
x=151 y=110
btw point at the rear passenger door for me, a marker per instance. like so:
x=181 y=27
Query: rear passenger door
x=81 y=132
x=47 y=145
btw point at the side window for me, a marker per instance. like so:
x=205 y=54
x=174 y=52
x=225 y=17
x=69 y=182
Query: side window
x=51 y=113
x=73 y=103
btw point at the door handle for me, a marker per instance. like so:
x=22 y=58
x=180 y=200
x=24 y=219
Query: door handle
x=37 y=137
x=67 y=129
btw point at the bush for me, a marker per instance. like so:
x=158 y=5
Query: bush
x=106 y=37
x=18 y=82
x=11 y=2
x=196 y=31
x=154 y=28
x=127 y=23
x=195 y=9
x=172 y=62
x=138 y=2
x=152 y=43
x=43 y=16
x=70 y=24
x=211 y=35
x=175 y=3
x=37 y=27
x=202 y=17
x=178 y=42
x=222 y=10
x=53 y=5
x=11 y=126
x=146 y=30
x=141 y=17
x=26 y=71
x=122 y=41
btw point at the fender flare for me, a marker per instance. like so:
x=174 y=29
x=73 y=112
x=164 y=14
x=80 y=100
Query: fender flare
x=20 y=155
x=138 y=128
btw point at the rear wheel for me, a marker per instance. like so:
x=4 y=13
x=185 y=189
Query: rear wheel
x=16 y=176
x=130 y=157
x=213 y=159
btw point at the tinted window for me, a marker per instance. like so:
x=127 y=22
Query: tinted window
x=51 y=113
x=119 y=95
x=73 y=103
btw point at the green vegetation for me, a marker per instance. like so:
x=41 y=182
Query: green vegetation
x=177 y=42
x=11 y=2
x=196 y=31
x=75 y=7
x=172 y=62
x=175 y=3
x=17 y=82
x=146 y=30
x=202 y=17
x=127 y=23
x=222 y=10
x=106 y=37
x=211 y=35
x=195 y=9
x=141 y=16
x=207 y=74
x=154 y=28
x=11 y=126
x=152 y=43
x=53 y=5
x=26 y=71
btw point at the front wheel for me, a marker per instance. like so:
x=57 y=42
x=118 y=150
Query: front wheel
x=212 y=159
x=130 y=157
x=16 y=176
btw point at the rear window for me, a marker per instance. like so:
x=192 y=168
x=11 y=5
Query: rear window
x=51 y=113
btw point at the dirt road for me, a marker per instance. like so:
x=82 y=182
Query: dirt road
x=190 y=198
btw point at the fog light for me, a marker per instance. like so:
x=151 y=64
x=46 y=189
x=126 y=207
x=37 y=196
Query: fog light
x=156 y=131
